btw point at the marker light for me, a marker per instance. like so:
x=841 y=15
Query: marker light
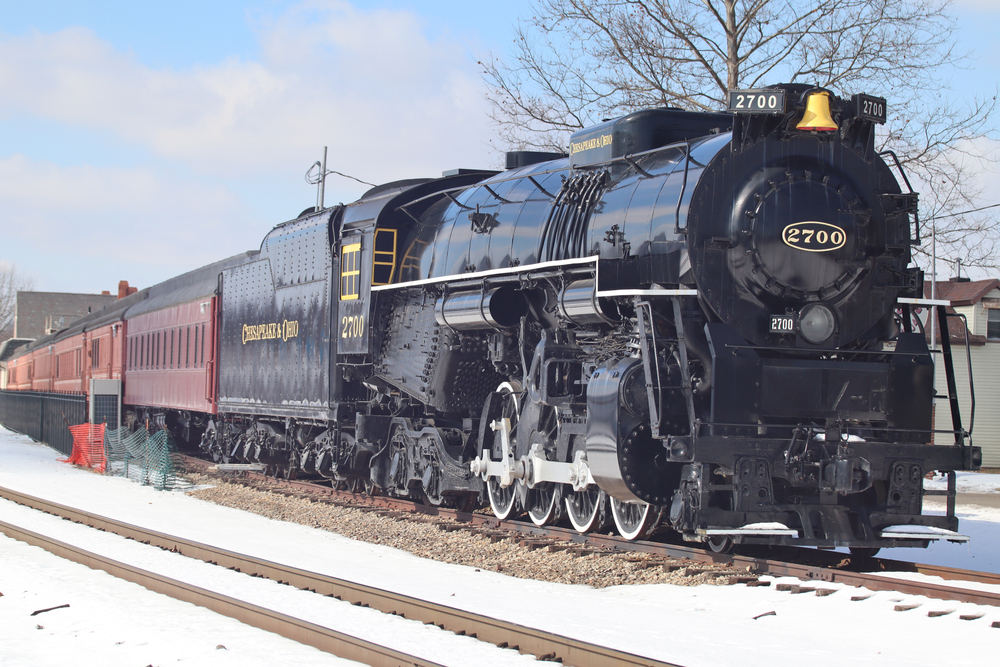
x=817 y=115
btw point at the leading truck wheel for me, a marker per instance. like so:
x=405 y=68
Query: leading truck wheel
x=864 y=553
x=720 y=544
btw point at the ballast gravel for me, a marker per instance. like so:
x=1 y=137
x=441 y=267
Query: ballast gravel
x=432 y=540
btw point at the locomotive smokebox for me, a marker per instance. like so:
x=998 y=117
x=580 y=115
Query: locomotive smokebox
x=816 y=234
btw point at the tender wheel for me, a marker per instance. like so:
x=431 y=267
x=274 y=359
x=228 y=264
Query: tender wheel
x=251 y=451
x=209 y=444
x=632 y=520
x=587 y=509
x=544 y=504
x=501 y=499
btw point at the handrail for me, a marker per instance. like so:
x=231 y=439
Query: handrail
x=902 y=172
x=680 y=199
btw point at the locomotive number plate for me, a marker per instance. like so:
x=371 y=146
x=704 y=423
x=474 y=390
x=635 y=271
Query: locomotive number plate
x=757 y=101
x=870 y=107
x=783 y=324
x=814 y=236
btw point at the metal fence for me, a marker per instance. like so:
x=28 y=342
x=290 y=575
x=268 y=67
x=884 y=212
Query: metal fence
x=43 y=416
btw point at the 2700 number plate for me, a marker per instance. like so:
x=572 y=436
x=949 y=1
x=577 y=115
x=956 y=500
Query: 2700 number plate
x=757 y=101
x=870 y=107
x=782 y=324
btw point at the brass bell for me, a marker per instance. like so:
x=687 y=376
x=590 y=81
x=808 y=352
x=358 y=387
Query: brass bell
x=817 y=116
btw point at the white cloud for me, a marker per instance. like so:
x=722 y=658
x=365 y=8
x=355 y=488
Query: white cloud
x=220 y=142
x=106 y=224
x=388 y=101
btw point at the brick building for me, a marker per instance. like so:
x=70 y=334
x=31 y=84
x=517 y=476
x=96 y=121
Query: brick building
x=37 y=314
x=41 y=313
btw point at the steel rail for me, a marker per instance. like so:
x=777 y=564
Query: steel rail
x=495 y=631
x=942 y=571
x=879 y=581
x=317 y=636
x=760 y=566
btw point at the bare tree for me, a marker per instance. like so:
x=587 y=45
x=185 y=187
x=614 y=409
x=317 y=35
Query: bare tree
x=11 y=282
x=578 y=61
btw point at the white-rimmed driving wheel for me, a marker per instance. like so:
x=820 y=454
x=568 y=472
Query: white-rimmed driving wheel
x=633 y=520
x=587 y=509
x=544 y=503
x=503 y=499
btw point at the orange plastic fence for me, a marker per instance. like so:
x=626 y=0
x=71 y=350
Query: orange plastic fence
x=88 y=446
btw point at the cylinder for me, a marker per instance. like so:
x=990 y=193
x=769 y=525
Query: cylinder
x=497 y=308
x=579 y=304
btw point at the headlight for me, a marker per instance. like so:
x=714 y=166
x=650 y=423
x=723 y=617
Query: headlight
x=816 y=323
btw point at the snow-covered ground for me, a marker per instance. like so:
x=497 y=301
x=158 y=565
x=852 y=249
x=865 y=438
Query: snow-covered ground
x=110 y=622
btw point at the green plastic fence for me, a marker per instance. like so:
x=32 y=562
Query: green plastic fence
x=143 y=457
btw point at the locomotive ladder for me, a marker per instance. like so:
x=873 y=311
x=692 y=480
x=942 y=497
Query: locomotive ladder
x=941 y=308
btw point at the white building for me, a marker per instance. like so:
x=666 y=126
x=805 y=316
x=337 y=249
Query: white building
x=979 y=302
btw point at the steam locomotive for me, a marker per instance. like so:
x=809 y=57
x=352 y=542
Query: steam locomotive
x=693 y=322
x=701 y=320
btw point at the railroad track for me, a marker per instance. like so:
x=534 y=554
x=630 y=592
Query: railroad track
x=806 y=564
x=544 y=645
x=325 y=639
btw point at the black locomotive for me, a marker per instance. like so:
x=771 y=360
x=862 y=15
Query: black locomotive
x=701 y=320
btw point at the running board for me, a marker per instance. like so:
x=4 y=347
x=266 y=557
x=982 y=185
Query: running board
x=922 y=533
x=759 y=529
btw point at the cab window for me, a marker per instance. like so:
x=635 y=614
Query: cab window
x=384 y=257
x=350 y=271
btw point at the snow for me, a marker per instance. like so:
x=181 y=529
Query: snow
x=113 y=622
x=920 y=530
x=967 y=482
x=765 y=525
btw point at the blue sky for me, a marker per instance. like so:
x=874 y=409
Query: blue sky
x=141 y=140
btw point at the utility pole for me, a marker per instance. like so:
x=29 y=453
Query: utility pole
x=322 y=183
